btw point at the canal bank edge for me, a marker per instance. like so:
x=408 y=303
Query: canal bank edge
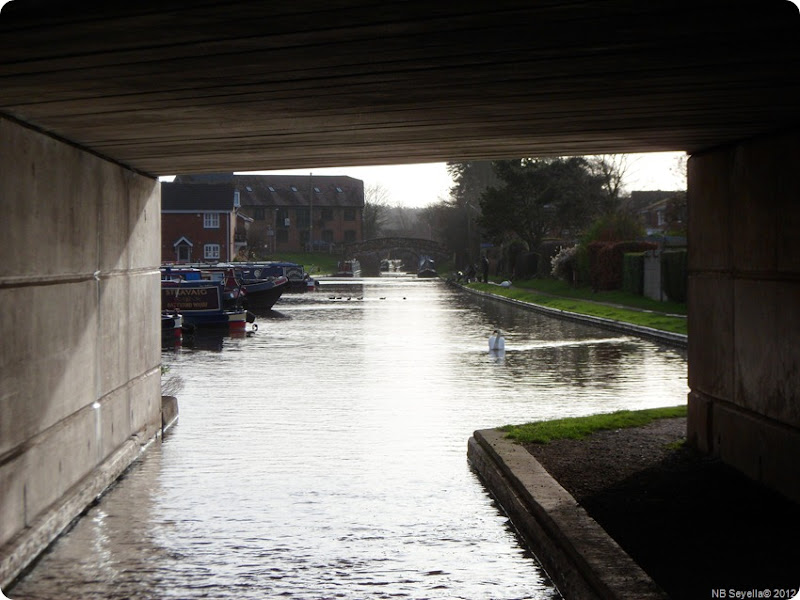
x=679 y=340
x=18 y=555
x=583 y=561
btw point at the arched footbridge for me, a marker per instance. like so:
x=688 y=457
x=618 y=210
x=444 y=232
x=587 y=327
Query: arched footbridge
x=371 y=252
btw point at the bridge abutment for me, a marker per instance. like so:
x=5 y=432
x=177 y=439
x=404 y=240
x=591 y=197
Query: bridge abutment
x=80 y=353
x=744 y=307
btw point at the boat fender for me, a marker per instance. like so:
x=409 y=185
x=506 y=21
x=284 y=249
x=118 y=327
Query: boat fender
x=255 y=326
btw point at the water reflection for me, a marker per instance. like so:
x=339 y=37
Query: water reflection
x=325 y=456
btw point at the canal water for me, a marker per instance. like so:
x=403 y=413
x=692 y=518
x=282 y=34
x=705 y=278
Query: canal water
x=325 y=455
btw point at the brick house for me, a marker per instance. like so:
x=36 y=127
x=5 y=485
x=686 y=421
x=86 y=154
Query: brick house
x=290 y=212
x=659 y=210
x=198 y=223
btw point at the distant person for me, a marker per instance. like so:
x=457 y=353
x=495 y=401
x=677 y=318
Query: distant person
x=485 y=265
x=496 y=341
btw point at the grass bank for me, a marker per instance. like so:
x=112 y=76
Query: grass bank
x=562 y=288
x=576 y=428
x=315 y=263
x=635 y=315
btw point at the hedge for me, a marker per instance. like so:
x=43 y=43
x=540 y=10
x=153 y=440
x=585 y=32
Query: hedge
x=633 y=272
x=526 y=265
x=674 y=265
x=605 y=262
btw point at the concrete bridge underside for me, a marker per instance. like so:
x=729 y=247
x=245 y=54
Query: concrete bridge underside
x=95 y=106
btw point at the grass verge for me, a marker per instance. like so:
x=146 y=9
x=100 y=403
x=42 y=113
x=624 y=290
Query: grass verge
x=674 y=324
x=576 y=428
x=562 y=288
x=315 y=263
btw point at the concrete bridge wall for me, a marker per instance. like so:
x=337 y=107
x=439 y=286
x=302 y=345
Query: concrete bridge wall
x=744 y=307
x=79 y=302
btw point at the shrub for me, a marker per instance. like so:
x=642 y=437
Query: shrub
x=547 y=250
x=526 y=265
x=633 y=272
x=564 y=264
x=613 y=228
x=673 y=274
x=605 y=262
x=511 y=252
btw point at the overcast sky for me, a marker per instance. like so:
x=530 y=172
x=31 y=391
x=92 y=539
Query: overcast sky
x=425 y=184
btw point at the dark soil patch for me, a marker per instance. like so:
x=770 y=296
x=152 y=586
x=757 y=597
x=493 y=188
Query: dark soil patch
x=692 y=523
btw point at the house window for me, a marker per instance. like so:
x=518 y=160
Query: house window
x=349 y=214
x=282 y=218
x=327 y=236
x=259 y=213
x=349 y=236
x=327 y=214
x=302 y=218
x=211 y=220
x=211 y=251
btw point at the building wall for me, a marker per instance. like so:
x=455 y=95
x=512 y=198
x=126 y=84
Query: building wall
x=190 y=226
x=744 y=307
x=297 y=231
x=79 y=350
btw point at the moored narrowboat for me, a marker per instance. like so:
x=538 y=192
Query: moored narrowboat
x=201 y=304
x=348 y=268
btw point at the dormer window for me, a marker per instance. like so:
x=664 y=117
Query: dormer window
x=339 y=190
x=271 y=189
x=294 y=188
x=316 y=189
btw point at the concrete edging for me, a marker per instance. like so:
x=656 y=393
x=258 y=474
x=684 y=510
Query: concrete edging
x=169 y=413
x=580 y=557
x=676 y=339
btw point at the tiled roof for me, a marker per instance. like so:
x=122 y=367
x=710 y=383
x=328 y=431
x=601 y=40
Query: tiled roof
x=287 y=190
x=642 y=199
x=176 y=197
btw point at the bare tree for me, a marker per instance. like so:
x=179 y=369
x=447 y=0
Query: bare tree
x=680 y=168
x=611 y=168
x=376 y=209
x=376 y=193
